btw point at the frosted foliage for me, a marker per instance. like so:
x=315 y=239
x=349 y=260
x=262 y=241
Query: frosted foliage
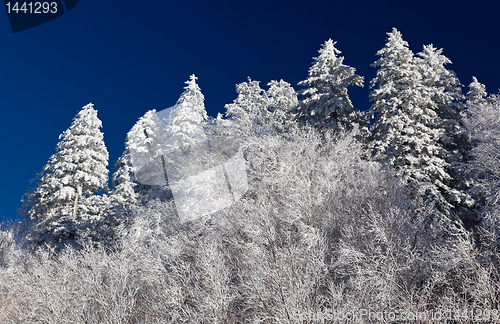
x=444 y=84
x=124 y=186
x=145 y=143
x=193 y=95
x=407 y=129
x=323 y=232
x=446 y=94
x=258 y=110
x=250 y=105
x=325 y=102
x=484 y=124
x=281 y=98
x=76 y=170
x=477 y=93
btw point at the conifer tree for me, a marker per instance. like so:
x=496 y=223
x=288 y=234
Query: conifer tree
x=446 y=94
x=407 y=130
x=325 y=102
x=124 y=196
x=185 y=125
x=77 y=170
x=477 y=93
x=257 y=110
x=281 y=98
x=249 y=109
x=145 y=143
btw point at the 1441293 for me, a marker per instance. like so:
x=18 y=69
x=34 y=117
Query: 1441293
x=32 y=7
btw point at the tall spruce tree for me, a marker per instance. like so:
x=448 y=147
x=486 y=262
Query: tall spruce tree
x=325 y=102
x=446 y=93
x=407 y=130
x=77 y=170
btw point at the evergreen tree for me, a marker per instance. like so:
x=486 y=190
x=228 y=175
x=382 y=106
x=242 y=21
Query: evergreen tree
x=185 y=125
x=145 y=142
x=325 y=102
x=477 y=93
x=407 y=130
x=249 y=109
x=258 y=110
x=281 y=98
x=124 y=196
x=446 y=93
x=77 y=170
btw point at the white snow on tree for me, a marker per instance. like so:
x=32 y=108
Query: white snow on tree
x=77 y=170
x=483 y=122
x=145 y=142
x=249 y=109
x=407 y=129
x=124 y=195
x=477 y=93
x=446 y=93
x=258 y=110
x=325 y=102
x=281 y=98
x=185 y=124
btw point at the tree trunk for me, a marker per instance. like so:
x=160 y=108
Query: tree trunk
x=75 y=206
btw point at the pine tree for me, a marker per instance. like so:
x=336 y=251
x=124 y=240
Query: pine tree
x=477 y=93
x=124 y=194
x=77 y=170
x=146 y=144
x=407 y=130
x=261 y=111
x=446 y=93
x=185 y=125
x=281 y=98
x=249 y=109
x=325 y=102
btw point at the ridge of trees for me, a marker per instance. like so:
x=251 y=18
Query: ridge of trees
x=402 y=213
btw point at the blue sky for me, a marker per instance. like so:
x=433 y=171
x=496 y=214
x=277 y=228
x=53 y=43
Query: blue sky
x=128 y=57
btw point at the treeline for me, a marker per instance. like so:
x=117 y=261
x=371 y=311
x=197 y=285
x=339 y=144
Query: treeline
x=348 y=213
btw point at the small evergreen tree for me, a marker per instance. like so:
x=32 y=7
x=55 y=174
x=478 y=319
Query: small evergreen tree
x=145 y=143
x=258 y=110
x=77 y=170
x=185 y=125
x=281 y=98
x=325 y=102
x=477 y=93
x=124 y=196
x=249 y=109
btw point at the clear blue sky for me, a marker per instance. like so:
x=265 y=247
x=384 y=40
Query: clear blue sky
x=128 y=57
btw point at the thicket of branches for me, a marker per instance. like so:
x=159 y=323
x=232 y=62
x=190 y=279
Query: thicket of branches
x=321 y=231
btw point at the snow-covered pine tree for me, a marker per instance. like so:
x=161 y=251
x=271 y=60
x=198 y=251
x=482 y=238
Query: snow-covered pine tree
x=281 y=98
x=477 y=93
x=407 y=131
x=249 y=109
x=325 y=102
x=185 y=125
x=145 y=143
x=446 y=93
x=123 y=196
x=77 y=170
